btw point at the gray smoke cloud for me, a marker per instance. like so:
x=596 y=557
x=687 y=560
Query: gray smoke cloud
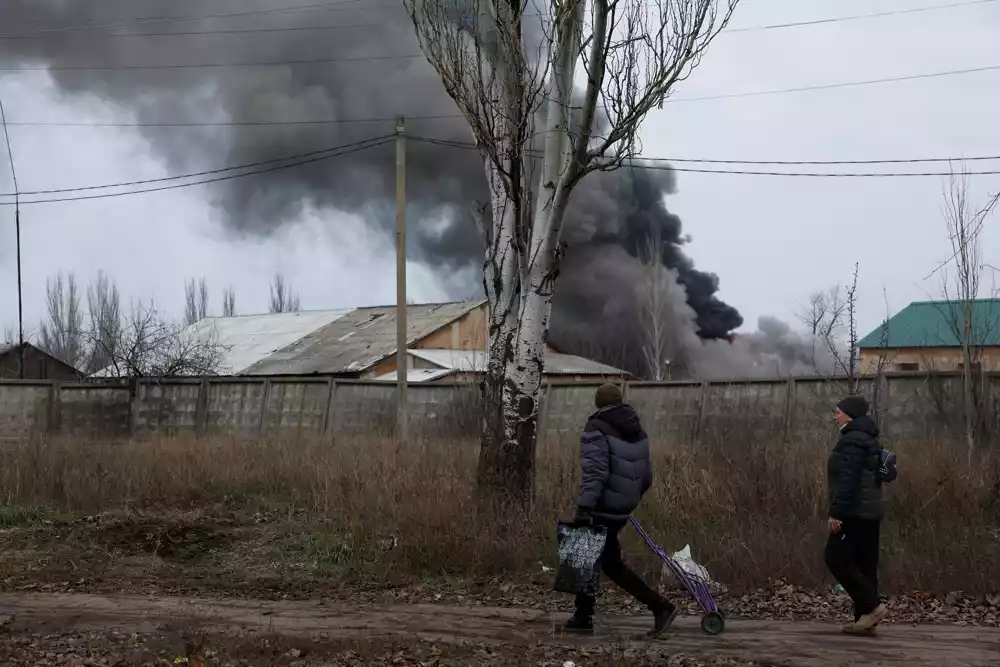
x=611 y=213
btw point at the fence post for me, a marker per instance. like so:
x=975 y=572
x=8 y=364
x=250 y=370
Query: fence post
x=789 y=408
x=882 y=402
x=329 y=414
x=702 y=402
x=53 y=413
x=543 y=411
x=133 y=405
x=201 y=410
x=264 y=403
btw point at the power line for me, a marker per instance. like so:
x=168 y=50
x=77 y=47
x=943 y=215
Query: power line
x=838 y=19
x=145 y=20
x=643 y=163
x=671 y=100
x=377 y=141
x=347 y=149
x=232 y=31
x=773 y=26
x=175 y=66
x=198 y=174
x=916 y=160
x=247 y=123
x=845 y=84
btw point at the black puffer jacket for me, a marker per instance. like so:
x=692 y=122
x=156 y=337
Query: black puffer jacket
x=853 y=489
x=617 y=470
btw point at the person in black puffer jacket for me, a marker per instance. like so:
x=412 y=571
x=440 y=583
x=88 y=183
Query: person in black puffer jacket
x=617 y=472
x=857 y=509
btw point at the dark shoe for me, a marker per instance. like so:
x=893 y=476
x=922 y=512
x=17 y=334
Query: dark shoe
x=579 y=626
x=662 y=620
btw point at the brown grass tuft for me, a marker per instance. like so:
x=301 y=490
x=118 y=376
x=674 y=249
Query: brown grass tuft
x=752 y=511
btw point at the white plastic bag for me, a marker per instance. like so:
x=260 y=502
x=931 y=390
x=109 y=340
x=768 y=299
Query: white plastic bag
x=686 y=563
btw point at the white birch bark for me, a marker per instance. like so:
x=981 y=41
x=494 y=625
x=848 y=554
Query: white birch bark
x=632 y=52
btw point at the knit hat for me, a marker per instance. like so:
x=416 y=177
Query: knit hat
x=608 y=394
x=854 y=406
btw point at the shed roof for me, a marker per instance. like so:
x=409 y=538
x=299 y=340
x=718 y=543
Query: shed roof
x=12 y=347
x=472 y=361
x=248 y=339
x=933 y=324
x=417 y=375
x=358 y=340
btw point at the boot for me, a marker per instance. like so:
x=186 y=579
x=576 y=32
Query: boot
x=579 y=626
x=663 y=618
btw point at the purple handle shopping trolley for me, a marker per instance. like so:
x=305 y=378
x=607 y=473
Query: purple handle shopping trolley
x=713 y=621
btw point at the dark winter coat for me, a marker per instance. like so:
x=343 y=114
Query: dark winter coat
x=614 y=456
x=853 y=489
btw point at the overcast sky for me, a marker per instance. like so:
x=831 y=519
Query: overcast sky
x=771 y=240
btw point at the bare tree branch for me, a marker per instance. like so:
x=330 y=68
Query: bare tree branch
x=195 y=301
x=283 y=299
x=229 y=302
x=62 y=333
x=961 y=288
x=149 y=345
x=512 y=72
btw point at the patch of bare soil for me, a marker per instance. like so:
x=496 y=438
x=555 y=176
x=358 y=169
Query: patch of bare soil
x=500 y=631
x=178 y=646
x=276 y=557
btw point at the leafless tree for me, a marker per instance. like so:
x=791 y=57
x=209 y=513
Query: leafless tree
x=846 y=356
x=229 y=302
x=823 y=315
x=148 y=345
x=283 y=299
x=104 y=322
x=961 y=277
x=62 y=332
x=195 y=301
x=658 y=294
x=823 y=319
x=511 y=67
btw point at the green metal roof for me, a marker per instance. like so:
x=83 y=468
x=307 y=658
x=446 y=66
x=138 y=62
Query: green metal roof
x=933 y=324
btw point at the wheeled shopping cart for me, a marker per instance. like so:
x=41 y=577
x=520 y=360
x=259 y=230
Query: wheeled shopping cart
x=713 y=621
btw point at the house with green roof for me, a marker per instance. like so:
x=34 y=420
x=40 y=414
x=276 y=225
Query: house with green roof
x=927 y=336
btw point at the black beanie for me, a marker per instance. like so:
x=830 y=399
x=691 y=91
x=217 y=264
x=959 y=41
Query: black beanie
x=854 y=406
x=608 y=394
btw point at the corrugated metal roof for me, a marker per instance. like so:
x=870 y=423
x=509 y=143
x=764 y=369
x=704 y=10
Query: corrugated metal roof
x=417 y=375
x=358 y=340
x=248 y=339
x=475 y=361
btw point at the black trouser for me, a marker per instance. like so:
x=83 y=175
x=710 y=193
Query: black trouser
x=614 y=567
x=852 y=557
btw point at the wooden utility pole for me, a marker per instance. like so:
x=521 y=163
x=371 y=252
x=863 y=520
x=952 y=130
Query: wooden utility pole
x=17 y=227
x=401 y=356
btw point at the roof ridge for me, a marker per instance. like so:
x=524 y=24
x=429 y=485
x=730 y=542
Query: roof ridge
x=931 y=302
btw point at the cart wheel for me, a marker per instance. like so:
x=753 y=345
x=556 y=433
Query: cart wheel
x=713 y=623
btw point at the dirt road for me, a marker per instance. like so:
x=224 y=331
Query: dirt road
x=800 y=644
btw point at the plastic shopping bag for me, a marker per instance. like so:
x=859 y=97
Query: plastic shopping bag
x=580 y=548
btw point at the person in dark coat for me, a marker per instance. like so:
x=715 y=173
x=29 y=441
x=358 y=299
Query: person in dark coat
x=617 y=472
x=856 y=512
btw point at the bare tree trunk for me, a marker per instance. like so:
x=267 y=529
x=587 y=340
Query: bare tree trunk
x=968 y=391
x=633 y=55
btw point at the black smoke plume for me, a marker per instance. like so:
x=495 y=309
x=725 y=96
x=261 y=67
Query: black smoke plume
x=374 y=80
